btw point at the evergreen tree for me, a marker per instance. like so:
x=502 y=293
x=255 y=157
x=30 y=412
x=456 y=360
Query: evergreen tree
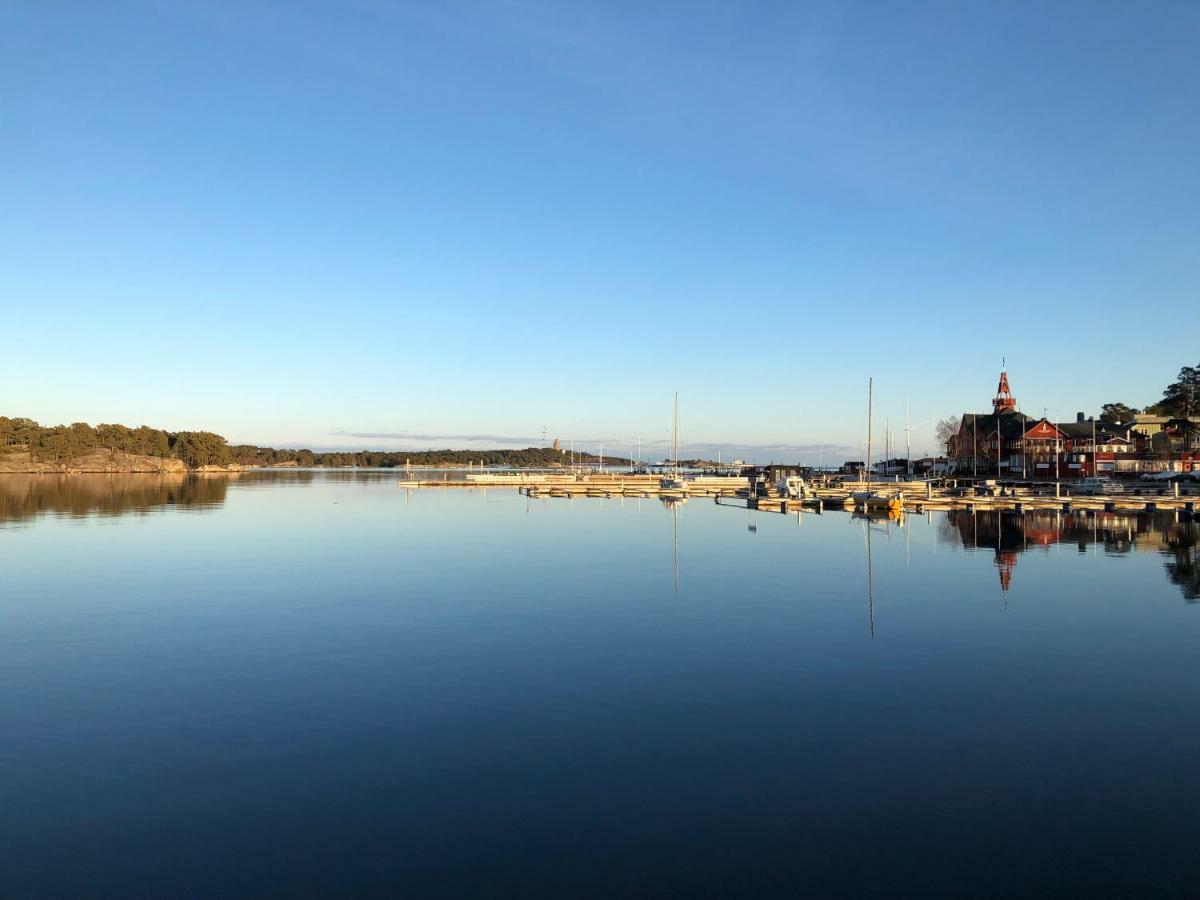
x=1182 y=397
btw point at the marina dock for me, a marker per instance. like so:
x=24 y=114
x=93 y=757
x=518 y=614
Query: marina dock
x=917 y=496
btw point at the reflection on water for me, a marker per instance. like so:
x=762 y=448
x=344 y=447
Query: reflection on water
x=672 y=505
x=1009 y=534
x=339 y=688
x=26 y=497
x=1173 y=534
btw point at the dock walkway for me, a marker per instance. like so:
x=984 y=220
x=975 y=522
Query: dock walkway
x=917 y=496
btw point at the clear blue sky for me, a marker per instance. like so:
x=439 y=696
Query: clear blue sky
x=296 y=223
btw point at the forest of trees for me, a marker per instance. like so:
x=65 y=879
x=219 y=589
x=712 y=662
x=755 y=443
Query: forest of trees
x=65 y=443
x=530 y=457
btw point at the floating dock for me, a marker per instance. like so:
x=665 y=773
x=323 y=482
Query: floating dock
x=917 y=496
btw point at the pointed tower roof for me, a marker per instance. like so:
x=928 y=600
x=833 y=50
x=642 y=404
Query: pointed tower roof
x=1005 y=560
x=1004 y=400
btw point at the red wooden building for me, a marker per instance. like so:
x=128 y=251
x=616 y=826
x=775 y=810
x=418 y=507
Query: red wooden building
x=1008 y=443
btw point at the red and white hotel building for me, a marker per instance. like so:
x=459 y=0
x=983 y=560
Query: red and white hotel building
x=1009 y=443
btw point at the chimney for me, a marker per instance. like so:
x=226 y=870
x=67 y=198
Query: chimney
x=1079 y=417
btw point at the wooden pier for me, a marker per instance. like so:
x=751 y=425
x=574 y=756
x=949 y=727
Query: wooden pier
x=638 y=486
x=1116 y=504
x=917 y=496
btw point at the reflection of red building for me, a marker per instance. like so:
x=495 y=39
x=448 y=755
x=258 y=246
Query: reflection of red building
x=1009 y=534
x=1042 y=531
x=1005 y=560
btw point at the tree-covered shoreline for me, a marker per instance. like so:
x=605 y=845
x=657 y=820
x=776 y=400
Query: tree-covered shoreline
x=63 y=444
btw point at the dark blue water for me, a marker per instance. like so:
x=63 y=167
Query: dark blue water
x=321 y=685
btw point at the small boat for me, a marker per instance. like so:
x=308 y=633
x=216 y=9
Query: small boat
x=871 y=499
x=674 y=481
x=1097 y=485
x=794 y=487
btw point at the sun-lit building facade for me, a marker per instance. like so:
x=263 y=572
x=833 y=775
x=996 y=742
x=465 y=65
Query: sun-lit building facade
x=1005 y=442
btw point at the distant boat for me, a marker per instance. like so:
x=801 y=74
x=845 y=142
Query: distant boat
x=879 y=500
x=674 y=481
x=869 y=498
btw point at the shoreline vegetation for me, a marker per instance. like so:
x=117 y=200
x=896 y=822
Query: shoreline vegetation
x=27 y=447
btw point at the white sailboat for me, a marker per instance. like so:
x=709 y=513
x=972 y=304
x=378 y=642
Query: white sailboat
x=674 y=481
x=869 y=498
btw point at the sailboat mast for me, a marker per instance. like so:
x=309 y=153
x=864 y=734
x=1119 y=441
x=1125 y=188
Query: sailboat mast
x=675 y=438
x=907 y=441
x=870 y=385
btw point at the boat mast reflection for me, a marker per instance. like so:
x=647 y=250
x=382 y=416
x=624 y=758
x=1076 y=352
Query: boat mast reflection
x=884 y=520
x=673 y=504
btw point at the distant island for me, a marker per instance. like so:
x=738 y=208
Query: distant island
x=26 y=446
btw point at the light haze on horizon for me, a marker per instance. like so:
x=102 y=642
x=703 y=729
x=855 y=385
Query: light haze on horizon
x=378 y=224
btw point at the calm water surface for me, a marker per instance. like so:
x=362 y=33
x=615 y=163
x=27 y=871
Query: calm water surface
x=316 y=684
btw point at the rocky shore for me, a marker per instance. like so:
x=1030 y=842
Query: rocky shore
x=102 y=461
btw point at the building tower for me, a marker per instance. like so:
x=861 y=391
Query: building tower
x=1005 y=560
x=1004 y=401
